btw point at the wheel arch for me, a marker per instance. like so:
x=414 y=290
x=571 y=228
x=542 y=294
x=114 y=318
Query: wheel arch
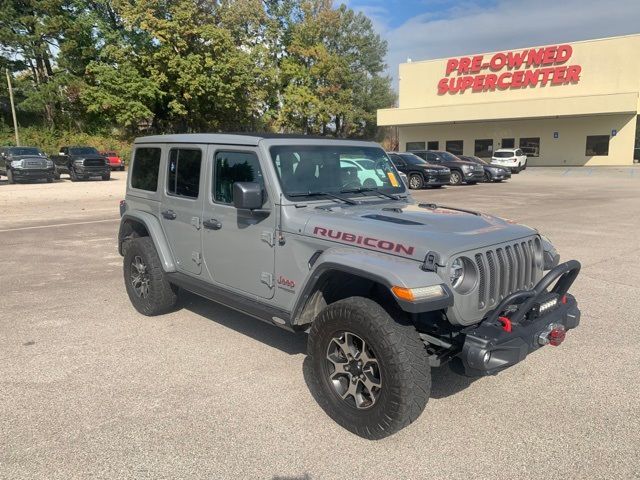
x=333 y=279
x=144 y=224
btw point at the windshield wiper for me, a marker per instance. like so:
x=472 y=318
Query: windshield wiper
x=371 y=189
x=325 y=194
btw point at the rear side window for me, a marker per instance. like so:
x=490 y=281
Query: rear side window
x=232 y=167
x=144 y=172
x=184 y=172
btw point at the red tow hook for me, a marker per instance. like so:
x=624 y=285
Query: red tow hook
x=506 y=324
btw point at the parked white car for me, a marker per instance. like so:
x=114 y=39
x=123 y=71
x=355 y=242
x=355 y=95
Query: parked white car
x=512 y=158
x=367 y=173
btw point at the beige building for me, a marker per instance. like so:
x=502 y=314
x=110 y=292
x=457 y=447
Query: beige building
x=569 y=104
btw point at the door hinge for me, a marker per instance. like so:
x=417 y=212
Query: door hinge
x=195 y=221
x=196 y=257
x=268 y=236
x=267 y=279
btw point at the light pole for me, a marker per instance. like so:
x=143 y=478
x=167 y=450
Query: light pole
x=13 y=109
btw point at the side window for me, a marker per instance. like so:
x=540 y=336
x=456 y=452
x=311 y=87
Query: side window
x=432 y=157
x=519 y=152
x=145 y=168
x=232 y=167
x=183 y=179
x=397 y=160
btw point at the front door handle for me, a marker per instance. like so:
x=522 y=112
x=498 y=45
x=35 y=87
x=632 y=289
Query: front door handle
x=212 y=224
x=169 y=214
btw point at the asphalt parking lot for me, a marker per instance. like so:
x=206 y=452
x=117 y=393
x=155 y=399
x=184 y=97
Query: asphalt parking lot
x=91 y=389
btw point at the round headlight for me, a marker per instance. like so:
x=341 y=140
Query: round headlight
x=463 y=275
x=456 y=272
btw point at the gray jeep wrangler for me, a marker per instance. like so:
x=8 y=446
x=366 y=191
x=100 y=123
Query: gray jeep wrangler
x=282 y=228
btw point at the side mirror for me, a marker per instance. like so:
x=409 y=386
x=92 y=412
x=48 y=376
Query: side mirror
x=247 y=195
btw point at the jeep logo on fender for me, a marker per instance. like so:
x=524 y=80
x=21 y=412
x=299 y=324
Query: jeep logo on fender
x=371 y=242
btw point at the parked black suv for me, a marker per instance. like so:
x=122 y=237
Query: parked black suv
x=25 y=163
x=419 y=172
x=492 y=173
x=461 y=171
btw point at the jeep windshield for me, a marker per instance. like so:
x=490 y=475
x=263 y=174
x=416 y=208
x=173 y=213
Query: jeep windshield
x=83 y=151
x=334 y=170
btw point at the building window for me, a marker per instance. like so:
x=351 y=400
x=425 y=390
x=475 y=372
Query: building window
x=483 y=148
x=530 y=146
x=454 y=146
x=145 y=168
x=597 y=146
x=508 y=143
x=433 y=145
x=415 y=146
x=184 y=172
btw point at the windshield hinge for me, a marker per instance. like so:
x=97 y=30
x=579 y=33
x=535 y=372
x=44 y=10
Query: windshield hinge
x=267 y=279
x=268 y=237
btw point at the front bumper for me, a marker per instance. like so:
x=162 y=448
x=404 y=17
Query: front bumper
x=443 y=179
x=88 y=172
x=490 y=346
x=32 y=174
x=474 y=176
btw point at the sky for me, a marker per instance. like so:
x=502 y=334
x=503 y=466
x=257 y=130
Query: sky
x=427 y=29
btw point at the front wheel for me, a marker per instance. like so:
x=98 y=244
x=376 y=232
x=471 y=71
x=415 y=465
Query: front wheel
x=73 y=175
x=10 y=177
x=370 y=373
x=106 y=176
x=456 y=178
x=146 y=282
x=415 y=181
x=487 y=178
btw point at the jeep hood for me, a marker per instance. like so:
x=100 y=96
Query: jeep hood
x=411 y=230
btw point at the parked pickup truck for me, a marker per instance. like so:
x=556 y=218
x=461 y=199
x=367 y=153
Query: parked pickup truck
x=82 y=163
x=25 y=163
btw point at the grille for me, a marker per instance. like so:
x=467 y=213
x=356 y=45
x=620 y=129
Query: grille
x=94 y=162
x=506 y=269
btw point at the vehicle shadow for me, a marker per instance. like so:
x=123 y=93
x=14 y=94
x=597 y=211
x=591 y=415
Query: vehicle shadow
x=445 y=381
x=285 y=341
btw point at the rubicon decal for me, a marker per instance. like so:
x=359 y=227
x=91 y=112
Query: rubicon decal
x=371 y=242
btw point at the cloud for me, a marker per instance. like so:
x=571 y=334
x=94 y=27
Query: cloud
x=468 y=27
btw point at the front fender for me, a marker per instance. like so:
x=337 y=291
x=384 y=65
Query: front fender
x=387 y=270
x=154 y=229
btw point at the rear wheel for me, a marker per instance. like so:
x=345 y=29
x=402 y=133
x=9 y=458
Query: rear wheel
x=456 y=178
x=415 y=181
x=146 y=282
x=371 y=373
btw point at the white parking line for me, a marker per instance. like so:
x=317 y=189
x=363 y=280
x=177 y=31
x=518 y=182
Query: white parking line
x=59 y=225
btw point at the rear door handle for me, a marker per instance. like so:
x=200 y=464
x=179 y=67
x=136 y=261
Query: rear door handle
x=169 y=214
x=212 y=224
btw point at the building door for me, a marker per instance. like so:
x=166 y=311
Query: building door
x=182 y=206
x=238 y=245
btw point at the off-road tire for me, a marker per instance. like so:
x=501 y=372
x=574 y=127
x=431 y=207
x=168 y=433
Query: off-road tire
x=162 y=296
x=415 y=181
x=405 y=374
x=10 y=177
x=456 y=178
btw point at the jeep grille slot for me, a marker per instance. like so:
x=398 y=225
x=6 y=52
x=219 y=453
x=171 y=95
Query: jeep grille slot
x=505 y=270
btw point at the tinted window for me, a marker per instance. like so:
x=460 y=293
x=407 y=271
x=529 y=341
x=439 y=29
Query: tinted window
x=503 y=154
x=519 y=152
x=412 y=159
x=232 y=167
x=144 y=172
x=454 y=146
x=483 y=148
x=184 y=172
x=508 y=143
x=397 y=160
x=597 y=145
x=415 y=146
x=25 y=151
x=447 y=157
x=530 y=146
x=434 y=145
